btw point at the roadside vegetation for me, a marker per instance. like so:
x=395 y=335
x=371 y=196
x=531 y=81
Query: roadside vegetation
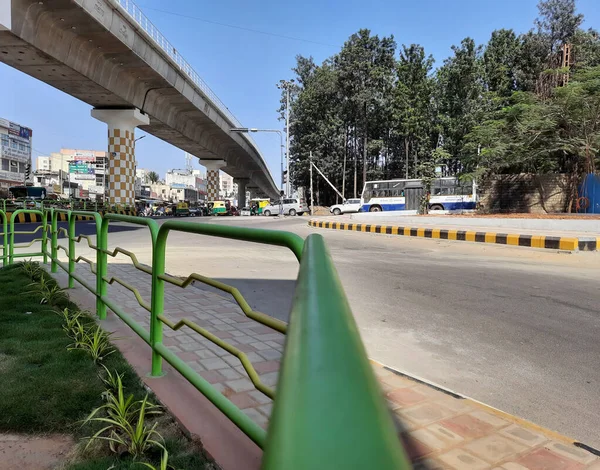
x=60 y=374
x=522 y=102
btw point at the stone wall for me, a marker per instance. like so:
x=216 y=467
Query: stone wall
x=525 y=193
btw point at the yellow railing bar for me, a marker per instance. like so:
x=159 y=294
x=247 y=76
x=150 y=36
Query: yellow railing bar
x=260 y=317
x=129 y=287
x=248 y=367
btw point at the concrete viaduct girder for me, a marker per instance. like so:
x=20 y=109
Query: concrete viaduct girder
x=95 y=51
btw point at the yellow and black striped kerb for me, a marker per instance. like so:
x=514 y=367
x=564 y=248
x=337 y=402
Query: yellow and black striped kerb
x=26 y=217
x=533 y=241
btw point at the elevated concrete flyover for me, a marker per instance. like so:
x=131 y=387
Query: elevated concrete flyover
x=108 y=54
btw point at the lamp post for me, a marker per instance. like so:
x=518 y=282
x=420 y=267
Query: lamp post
x=286 y=85
x=246 y=130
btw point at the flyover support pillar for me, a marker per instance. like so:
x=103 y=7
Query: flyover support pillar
x=121 y=152
x=241 y=184
x=213 y=180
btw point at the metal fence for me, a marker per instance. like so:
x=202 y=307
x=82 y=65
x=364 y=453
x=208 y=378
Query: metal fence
x=328 y=407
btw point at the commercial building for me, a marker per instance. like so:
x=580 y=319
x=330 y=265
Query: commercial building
x=83 y=170
x=185 y=185
x=227 y=188
x=15 y=155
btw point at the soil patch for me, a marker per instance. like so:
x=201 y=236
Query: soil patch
x=22 y=452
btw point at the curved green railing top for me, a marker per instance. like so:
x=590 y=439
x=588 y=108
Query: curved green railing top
x=329 y=412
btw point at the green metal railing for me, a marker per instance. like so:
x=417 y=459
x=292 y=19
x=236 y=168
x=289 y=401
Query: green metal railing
x=328 y=410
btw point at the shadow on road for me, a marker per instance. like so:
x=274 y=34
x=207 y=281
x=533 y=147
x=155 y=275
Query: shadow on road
x=270 y=296
x=82 y=228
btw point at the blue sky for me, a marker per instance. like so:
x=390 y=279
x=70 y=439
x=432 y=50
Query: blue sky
x=242 y=67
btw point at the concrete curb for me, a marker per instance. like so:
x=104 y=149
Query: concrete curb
x=495 y=411
x=532 y=241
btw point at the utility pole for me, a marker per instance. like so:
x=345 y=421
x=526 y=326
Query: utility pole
x=287 y=141
x=286 y=85
x=312 y=200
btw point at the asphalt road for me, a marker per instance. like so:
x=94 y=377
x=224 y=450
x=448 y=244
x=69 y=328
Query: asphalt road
x=515 y=328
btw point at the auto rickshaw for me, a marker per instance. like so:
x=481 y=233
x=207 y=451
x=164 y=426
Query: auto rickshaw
x=181 y=209
x=220 y=207
x=258 y=205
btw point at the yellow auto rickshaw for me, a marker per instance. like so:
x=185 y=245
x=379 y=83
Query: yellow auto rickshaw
x=181 y=209
x=218 y=208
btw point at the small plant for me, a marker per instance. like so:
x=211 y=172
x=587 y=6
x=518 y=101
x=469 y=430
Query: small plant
x=53 y=295
x=70 y=319
x=112 y=380
x=77 y=333
x=96 y=342
x=50 y=292
x=126 y=424
x=32 y=269
x=164 y=462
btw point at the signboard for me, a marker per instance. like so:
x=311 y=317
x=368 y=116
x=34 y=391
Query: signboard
x=80 y=167
x=19 y=131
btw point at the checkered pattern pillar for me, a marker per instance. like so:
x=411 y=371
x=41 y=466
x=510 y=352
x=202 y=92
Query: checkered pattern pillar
x=213 y=184
x=121 y=167
x=121 y=152
x=213 y=181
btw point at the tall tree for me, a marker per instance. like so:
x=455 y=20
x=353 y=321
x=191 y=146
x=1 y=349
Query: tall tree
x=413 y=103
x=365 y=68
x=460 y=97
x=501 y=62
x=557 y=22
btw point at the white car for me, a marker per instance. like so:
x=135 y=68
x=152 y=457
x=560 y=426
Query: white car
x=290 y=207
x=349 y=205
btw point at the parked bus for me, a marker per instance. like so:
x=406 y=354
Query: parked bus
x=27 y=192
x=405 y=194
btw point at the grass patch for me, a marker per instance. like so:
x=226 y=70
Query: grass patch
x=48 y=388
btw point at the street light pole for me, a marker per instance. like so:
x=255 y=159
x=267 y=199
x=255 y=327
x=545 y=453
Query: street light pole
x=246 y=130
x=286 y=85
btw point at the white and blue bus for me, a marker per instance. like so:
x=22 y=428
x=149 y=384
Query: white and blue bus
x=405 y=194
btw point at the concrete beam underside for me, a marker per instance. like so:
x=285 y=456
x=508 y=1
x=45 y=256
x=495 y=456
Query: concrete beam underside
x=93 y=53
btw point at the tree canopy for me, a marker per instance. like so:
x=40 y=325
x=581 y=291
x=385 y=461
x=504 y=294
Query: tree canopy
x=375 y=110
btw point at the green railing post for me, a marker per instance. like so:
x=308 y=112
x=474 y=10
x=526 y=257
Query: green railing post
x=157 y=305
x=11 y=241
x=4 y=237
x=44 y=237
x=53 y=240
x=71 y=235
x=101 y=267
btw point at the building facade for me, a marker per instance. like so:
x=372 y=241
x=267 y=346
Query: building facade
x=84 y=170
x=227 y=188
x=193 y=181
x=15 y=154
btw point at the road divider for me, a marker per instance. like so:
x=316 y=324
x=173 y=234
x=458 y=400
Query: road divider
x=532 y=241
x=28 y=217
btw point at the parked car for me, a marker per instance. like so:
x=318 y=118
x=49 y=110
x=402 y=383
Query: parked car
x=290 y=207
x=349 y=205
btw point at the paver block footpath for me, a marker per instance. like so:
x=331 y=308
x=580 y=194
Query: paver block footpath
x=442 y=431
x=438 y=430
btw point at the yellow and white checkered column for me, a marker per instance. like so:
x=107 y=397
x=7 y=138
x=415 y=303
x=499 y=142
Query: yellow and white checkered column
x=121 y=152
x=213 y=180
x=213 y=184
x=121 y=167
